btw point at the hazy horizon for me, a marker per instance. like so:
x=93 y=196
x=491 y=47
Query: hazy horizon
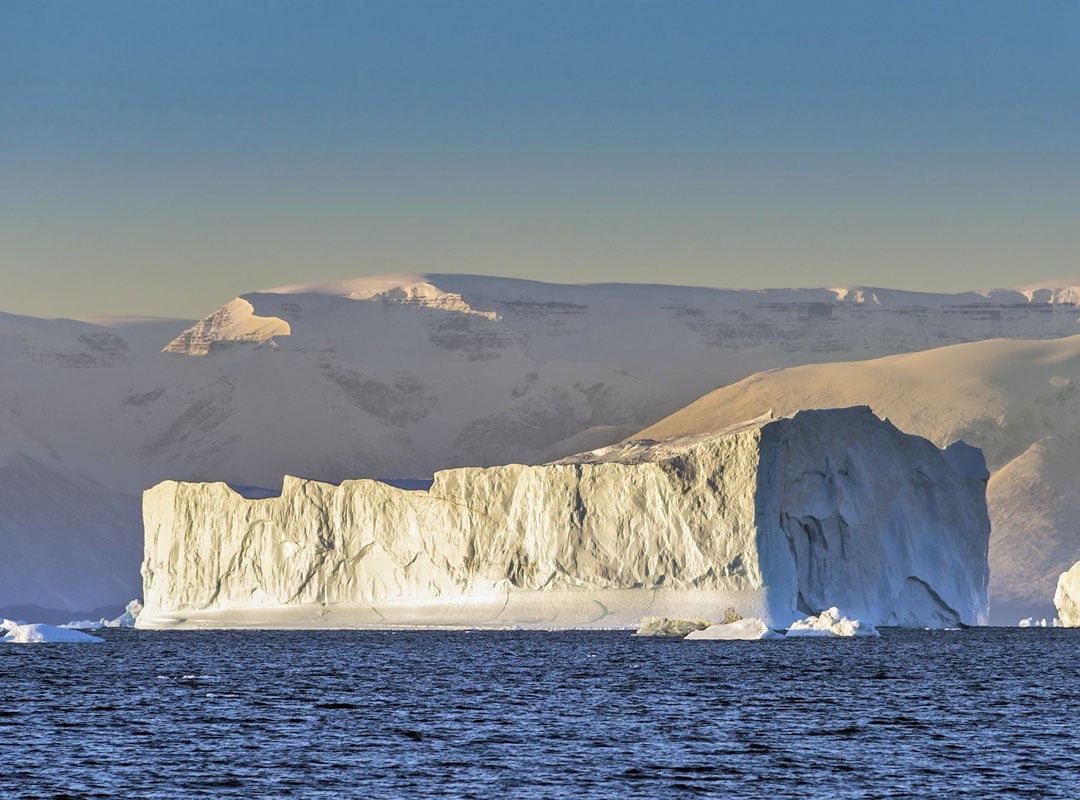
x=141 y=314
x=161 y=159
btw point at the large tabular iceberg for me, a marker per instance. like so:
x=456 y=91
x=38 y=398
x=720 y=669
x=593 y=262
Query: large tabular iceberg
x=775 y=518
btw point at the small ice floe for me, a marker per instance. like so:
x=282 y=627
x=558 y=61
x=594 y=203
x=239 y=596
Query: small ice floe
x=125 y=620
x=680 y=627
x=40 y=632
x=84 y=625
x=830 y=623
x=744 y=629
x=670 y=626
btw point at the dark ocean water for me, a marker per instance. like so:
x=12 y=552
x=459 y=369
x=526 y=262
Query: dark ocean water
x=976 y=713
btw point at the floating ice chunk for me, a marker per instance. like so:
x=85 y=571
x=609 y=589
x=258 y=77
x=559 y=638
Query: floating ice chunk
x=670 y=626
x=40 y=632
x=125 y=620
x=830 y=623
x=1031 y=622
x=741 y=629
x=84 y=625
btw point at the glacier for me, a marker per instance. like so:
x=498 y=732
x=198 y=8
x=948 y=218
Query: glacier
x=775 y=518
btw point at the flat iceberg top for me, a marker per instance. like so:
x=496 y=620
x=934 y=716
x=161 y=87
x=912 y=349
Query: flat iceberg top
x=631 y=452
x=645 y=451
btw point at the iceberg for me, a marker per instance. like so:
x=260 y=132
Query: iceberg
x=671 y=627
x=125 y=620
x=829 y=622
x=743 y=629
x=678 y=627
x=36 y=633
x=1067 y=597
x=1032 y=622
x=776 y=518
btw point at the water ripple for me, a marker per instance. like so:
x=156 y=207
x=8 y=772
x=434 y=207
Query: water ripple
x=978 y=713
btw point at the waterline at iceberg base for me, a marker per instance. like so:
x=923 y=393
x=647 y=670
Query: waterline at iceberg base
x=777 y=519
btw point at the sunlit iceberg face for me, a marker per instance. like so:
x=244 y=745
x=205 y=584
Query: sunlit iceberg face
x=776 y=519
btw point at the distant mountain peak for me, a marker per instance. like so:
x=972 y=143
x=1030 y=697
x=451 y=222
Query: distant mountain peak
x=1057 y=291
x=234 y=322
x=404 y=288
x=239 y=320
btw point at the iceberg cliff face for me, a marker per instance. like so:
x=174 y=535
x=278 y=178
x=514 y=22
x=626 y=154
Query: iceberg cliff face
x=778 y=519
x=1067 y=597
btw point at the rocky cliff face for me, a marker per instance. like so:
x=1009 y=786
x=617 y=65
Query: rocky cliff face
x=776 y=518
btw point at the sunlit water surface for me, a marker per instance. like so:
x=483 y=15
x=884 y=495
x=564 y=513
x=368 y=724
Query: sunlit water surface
x=977 y=713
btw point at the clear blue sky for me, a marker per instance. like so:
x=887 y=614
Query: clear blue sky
x=162 y=157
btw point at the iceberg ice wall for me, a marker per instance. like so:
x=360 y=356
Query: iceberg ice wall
x=776 y=518
x=1067 y=597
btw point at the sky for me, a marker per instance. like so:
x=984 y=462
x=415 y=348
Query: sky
x=162 y=157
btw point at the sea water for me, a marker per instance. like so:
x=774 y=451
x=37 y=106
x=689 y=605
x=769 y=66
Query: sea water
x=369 y=714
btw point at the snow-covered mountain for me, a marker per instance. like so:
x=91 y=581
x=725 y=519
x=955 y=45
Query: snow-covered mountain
x=397 y=376
x=1017 y=400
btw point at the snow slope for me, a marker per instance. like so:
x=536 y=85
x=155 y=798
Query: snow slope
x=776 y=519
x=69 y=492
x=395 y=376
x=1017 y=400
